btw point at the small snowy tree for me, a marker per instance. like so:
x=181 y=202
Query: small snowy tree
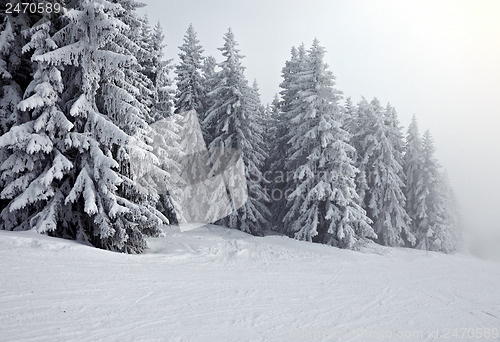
x=209 y=82
x=163 y=96
x=271 y=119
x=349 y=117
x=190 y=88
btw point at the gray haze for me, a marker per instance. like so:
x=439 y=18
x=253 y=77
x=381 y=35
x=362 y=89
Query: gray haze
x=439 y=60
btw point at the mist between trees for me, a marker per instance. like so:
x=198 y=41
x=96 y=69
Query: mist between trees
x=92 y=123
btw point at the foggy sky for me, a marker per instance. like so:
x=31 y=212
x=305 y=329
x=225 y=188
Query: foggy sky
x=437 y=59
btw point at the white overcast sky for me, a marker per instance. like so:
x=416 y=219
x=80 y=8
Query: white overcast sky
x=437 y=59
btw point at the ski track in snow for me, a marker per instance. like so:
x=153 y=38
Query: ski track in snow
x=215 y=284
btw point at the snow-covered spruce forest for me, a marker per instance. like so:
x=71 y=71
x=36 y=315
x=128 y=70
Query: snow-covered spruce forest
x=80 y=90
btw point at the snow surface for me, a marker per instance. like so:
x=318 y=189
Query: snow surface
x=215 y=284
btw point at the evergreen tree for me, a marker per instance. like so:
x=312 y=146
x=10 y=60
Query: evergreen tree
x=416 y=191
x=123 y=96
x=272 y=115
x=36 y=168
x=150 y=58
x=136 y=41
x=261 y=116
x=10 y=91
x=380 y=181
x=209 y=82
x=453 y=220
x=233 y=119
x=163 y=100
x=282 y=183
x=349 y=117
x=190 y=100
x=324 y=204
x=15 y=72
x=190 y=88
x=437 y=229
x=360 y=124
x=431 y=218
x=256 y=164
x=95 y=210
x=163 y=135
x=10 y=63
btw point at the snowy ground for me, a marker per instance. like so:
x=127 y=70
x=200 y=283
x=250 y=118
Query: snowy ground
x=213 y=284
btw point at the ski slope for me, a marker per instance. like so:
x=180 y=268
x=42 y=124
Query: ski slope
x=215 y=284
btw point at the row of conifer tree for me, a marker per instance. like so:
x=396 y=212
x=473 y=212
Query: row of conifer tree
x=79 y=91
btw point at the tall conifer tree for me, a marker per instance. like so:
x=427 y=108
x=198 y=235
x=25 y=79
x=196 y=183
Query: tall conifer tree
x=234 y=123
x=324 y=204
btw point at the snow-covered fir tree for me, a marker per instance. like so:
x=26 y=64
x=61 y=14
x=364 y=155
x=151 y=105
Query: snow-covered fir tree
x=233 y=122
x=416 y=190
x=282 y=183
x=209 y=73
x=190 y=92
x=163 y=101
x=349 y=116
x=156 y=69
x=15 y=73
x=11 y=93
x=96 y=210
x=324 y=204
x=136 y=41
x=209 y=82
x=190 y=101
x=435 y=230
x=36 y=170
x=272 y=115
x=155 y=90
x=262 y=119
x=257 y=165
x=453 y=220
x=124 y=98
x=380 y=181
